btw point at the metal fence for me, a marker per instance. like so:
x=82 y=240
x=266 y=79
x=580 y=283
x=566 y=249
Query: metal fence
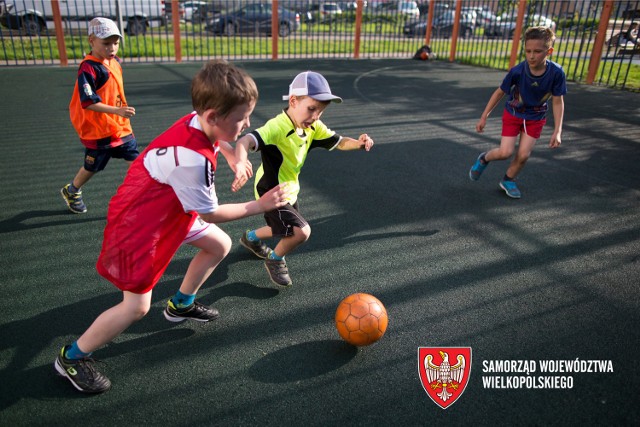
x=590 y=41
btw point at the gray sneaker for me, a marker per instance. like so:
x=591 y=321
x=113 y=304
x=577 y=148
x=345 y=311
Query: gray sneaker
x=278 y=272
x=259 y=248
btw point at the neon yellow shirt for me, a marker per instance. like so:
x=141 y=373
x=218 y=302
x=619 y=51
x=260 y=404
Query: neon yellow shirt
x=284 y=150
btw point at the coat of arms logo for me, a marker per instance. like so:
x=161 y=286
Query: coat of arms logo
x=444 y=372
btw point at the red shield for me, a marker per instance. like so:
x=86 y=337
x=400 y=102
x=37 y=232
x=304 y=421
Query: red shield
x=444 y=372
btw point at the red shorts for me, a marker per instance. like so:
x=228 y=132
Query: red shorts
x=512 y=126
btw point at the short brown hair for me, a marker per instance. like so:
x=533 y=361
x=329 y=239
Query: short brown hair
x=540 y=33
x=222 y=87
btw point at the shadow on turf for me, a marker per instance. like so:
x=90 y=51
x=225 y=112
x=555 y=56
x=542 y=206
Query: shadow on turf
x=25 y=339
x=303 y=361
x=19 y=222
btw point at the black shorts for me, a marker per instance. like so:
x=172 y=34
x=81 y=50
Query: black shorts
x=96 y=160
x=282 y=220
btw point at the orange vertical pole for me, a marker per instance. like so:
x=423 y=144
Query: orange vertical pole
x=455 y=31
x=517 y=34
x=274 y=29
x=596 y=53
x=432 y=7
x=57 y=19
x=175 y=21
x=356 y=42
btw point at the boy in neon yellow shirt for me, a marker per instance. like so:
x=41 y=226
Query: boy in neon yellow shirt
x=284 y=143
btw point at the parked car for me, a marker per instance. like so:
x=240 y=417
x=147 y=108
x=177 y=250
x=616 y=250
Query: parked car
x=191 y=7
x=329 y=11
x=168 y=11
x=254 y=18
x=505 y=25
x=204 y=13
x=32 y=16
x=408 y=8
x=438 y=8
x=442 y=26
x=481 y=15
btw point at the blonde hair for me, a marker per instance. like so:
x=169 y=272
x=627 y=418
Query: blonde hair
x=221 y=86
x=545 y=34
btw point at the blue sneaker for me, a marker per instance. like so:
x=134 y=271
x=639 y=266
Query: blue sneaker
x=510 y=188
x=73 y=200
x=477 y=168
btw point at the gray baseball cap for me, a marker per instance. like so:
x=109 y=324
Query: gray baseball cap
x=103 y=28
x=312 y=84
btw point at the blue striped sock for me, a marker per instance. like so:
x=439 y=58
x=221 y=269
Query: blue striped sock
x=74 y=352
x=251 y=236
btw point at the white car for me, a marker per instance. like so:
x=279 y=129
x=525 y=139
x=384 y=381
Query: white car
x=329 y=11
x=190 y=7
x=408 y=8
x=32 y=16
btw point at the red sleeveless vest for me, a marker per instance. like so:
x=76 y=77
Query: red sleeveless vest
x=146 y=222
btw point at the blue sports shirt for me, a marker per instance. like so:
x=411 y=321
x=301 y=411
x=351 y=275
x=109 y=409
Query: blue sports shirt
x=528 y=94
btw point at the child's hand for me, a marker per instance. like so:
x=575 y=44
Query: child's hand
x=274 y=198
x=555 y=141
x=243 y=171
x=126 y=112
x=248 y=167
x=365 y=141
x=481 y=124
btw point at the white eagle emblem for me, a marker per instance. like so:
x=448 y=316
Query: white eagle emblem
x=444 y=376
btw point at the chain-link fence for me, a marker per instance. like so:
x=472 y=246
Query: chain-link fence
x=483 y=33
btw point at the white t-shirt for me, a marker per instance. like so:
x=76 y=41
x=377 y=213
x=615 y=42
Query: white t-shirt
x=189 y=173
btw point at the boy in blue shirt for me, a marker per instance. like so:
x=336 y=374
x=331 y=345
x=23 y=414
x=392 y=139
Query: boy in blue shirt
x=529 y=86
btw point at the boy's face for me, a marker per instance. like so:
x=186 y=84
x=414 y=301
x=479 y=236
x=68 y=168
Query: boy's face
x=231 y=126
x=536 y=53
x=104 y=48
x=304 y=111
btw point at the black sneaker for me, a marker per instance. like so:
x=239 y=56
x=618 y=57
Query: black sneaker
x=259 y=248
x=81 y=373
x=278 y=272
x=195 y=311
x=73 y=200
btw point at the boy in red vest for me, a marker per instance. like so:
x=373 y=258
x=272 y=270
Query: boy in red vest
x=99 y=110
x=168 y=198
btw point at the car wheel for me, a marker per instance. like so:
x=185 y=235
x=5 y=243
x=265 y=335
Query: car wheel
x=284 y=30
x=229 y=29
x=31 y=25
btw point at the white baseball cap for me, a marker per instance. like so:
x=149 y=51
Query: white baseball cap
x=103 y=28
x=311 y=84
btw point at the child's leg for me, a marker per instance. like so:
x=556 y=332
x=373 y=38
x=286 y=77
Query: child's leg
x=214 y=247
x=264 y=233
x=504 y=151
x=522 y=155
x=114 y=321
x=288 y=244
x=82 y=177
x=73 y=362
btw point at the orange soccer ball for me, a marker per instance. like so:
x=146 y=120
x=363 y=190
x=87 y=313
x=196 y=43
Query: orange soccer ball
x=361 y=319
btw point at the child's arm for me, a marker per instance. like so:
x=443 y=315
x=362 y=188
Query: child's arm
x=558 y=117
x=230 y=156
x=243 y=146
x=363 y=143
x=274 y=198
x=125 y=111
x=493 y=101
